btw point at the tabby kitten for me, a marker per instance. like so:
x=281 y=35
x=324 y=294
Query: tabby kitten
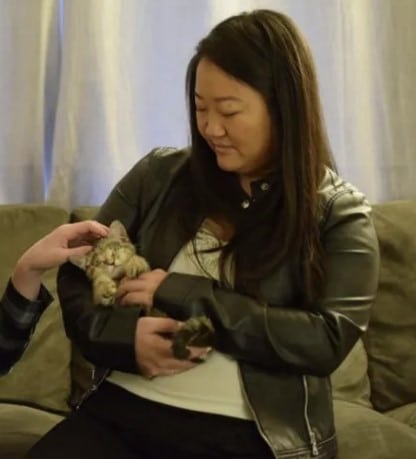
x=113 y=258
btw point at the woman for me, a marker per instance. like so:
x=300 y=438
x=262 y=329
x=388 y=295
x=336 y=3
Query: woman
x=250 y=226
x=25 y=297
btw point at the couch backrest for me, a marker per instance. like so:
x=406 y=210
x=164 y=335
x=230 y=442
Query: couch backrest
x=42 y=376
x=390 y=340
x=391 y=337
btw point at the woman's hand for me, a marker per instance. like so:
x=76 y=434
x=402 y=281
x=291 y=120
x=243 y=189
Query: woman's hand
x=141 y=290
x=71 y=239
x=68 y=240
x=154 y=355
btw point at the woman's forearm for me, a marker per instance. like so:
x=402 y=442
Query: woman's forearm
x=26 y=281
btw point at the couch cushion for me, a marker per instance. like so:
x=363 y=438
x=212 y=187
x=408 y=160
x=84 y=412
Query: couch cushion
x=391 y=337
x=350 y=380
x=21 y=427
x=42 y=376
x=365 y=434
x=405 y=414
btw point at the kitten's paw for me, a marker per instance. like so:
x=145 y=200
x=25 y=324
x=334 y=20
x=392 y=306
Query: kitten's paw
x=105 y=292
x=196 y=331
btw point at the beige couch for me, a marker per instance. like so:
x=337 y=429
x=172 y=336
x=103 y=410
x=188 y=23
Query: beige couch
x=374 y=389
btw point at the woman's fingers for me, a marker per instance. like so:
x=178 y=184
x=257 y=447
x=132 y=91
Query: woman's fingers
x=158 y=325
x=142 y=289
x=87 y=228
x=130 y=285
x=82 y=233
x=78 y=251
x=153 y=347
x=134 y=291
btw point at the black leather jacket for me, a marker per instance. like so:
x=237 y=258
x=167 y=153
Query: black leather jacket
x=286 y=354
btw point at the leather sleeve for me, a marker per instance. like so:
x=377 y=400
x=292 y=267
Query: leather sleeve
x=285 y=337
x=18 y=319
x=104 y=335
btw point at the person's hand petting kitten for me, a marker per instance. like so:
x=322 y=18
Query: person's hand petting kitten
x=71 y=239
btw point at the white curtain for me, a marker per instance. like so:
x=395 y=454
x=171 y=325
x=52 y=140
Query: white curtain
x=89 y=86
x=29 y=52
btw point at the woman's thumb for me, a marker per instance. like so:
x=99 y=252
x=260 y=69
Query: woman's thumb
x=76 y=252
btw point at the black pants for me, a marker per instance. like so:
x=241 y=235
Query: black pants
x=113 y=423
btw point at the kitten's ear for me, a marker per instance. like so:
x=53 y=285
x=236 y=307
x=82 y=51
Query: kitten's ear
x=118 y=231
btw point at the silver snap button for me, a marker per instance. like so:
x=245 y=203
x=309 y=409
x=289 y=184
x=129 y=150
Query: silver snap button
x=264 y=186
x=245 y=204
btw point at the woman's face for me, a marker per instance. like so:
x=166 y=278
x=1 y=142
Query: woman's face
x=234 y=120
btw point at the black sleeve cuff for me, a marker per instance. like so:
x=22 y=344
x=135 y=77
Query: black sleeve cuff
x=175 y=295
x=43 y=300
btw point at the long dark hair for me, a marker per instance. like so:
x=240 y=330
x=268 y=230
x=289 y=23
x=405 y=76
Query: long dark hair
x=265 y=50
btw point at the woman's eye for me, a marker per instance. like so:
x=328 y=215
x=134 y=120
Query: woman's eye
x=227 y=115
x=200 y=109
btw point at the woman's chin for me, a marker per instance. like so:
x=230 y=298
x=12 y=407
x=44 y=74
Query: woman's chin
x=227 y=165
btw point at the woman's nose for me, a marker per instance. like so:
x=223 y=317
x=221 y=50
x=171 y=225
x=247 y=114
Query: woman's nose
x=213 y=127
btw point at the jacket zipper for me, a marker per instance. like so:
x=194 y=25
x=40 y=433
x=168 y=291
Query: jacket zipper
x=311 y=433
x=95 y=383
x=256 y=420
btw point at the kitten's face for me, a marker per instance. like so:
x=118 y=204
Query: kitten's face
x=112 y=250
x=112 y=258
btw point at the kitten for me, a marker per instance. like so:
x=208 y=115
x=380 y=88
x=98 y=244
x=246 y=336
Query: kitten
x=113 y=258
